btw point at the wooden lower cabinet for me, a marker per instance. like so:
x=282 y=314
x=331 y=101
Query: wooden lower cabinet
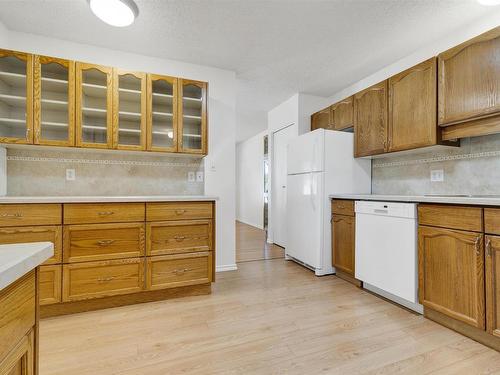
x=101 y=279
x=343 y=243
x=170 y=271
x=50 y=284
x=451 y=273
x=492 y=269
x=21 y=360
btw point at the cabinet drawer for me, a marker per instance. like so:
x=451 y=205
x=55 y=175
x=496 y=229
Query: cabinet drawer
x=49 y=284
x=170 y=271
x=90 y=213
x=17 y=312
x=12 y=215
x=178 y=211
x=100 y=279
x=52 y=234
x=343 y=207
x=492 y=220
x=172 y=237
x=453 y=217
x=103 y=242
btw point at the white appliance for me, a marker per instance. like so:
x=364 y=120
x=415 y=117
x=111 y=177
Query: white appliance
x=319 y=163
x=386 y=250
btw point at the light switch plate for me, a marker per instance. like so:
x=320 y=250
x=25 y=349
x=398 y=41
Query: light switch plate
x=70 y=175
x=191 y=177
x=437 y=175
x=199 y=176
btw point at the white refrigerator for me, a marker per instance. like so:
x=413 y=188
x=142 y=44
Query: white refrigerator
x=319 y=163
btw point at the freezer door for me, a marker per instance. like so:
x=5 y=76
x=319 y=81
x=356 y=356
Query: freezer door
x=306 y=153
x=304 y=218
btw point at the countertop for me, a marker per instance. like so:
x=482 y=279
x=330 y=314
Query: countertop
x=97 y=199
x=16 y=260
x=470 y=200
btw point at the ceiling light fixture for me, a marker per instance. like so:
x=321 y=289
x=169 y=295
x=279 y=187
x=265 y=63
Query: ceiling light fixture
x=489 y=2
x=118 y=13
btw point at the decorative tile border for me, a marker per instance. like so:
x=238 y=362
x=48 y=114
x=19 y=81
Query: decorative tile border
x=103 y=162
x=440 y=158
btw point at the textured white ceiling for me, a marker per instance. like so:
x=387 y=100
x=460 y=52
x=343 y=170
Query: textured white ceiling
x=276 y=47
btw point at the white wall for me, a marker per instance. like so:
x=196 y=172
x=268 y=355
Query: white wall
x=250 y=181
x=220 y=162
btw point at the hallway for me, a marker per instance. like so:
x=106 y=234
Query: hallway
x=251 y=244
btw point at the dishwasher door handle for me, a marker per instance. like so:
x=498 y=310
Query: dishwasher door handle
x=379 y=211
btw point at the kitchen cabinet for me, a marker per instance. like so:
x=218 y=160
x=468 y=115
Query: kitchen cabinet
x=342 y=114
x=343 y=243
x=50 y=284
x=129 y=110
x=370 y=120
x=321 y=120
x=54 y=101
x=16 y=97
x=20 y=361
x=492 y=268
x=412 y=108
x=162 y=113
x=469 y=87
x=451 y=267
x=192 y=121
x=94 y=105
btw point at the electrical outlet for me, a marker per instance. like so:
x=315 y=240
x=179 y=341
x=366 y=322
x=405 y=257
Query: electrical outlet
x=191 y=177
x=437 y=175
x=70 y=175
x=199 y=176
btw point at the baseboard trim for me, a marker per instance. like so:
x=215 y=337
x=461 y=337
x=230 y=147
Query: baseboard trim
x=226 y=267
x=261 y=227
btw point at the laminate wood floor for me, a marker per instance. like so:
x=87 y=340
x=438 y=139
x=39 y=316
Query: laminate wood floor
x=269 y=317
x=251 y=244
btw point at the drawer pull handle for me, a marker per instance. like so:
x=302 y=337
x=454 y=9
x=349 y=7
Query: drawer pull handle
x=105 y=279
x=105 y=213
x=180 y=238
x=476 y=245
x=180 y=212
x=488 y=247
x=17 y=215
x=181 y=271
x=105 y=242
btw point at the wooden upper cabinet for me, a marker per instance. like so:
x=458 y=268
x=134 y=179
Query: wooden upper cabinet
x=321 y=119
x=162 y=113
x=469 y=80
x=16 y=97
x=370 y=120
x=342 y=114
x=94 y=105
x=451 y=273
x=492 y=284
x=412 y=107
x=129 y=110
x=54 y=101
x=192 y=117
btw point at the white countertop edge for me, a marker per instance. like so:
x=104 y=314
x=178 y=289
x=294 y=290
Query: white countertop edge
x=479 y=201
x=16 y=260
x=105 y=199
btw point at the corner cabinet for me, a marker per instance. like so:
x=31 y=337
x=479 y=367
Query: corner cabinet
x=192 y=122
x=370 y=120
x=94 y=106
x=16 y=97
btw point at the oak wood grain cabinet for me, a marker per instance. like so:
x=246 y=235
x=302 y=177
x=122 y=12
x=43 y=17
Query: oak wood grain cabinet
x=370 y=120
x=50 y=284
x=54 y=101
x=469 y=87
x=16 y=97
x=94 y=105
x=192 y=121
x=343 y=243
x=492 y=268
x=342 y=114
x=321 y=119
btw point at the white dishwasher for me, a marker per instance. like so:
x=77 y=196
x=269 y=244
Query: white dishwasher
x=386 y=257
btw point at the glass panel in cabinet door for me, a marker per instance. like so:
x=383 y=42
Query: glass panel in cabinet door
x=192 y=116
x=162 y=123
x=14 y=98
x=94 y=125
x=55 y=102
x=129 y=110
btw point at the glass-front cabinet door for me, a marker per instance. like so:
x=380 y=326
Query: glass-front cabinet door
x=129 y=110
x=54 y=101
x=162 y=113
x=192 y=116
x=16 y=97
x=94 y=105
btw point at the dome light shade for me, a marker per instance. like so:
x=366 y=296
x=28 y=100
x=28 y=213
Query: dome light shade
x=118 y=13
x=489 y=2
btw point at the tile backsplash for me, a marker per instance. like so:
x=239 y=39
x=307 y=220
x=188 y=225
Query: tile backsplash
x=43 y=172
x=472 y=168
